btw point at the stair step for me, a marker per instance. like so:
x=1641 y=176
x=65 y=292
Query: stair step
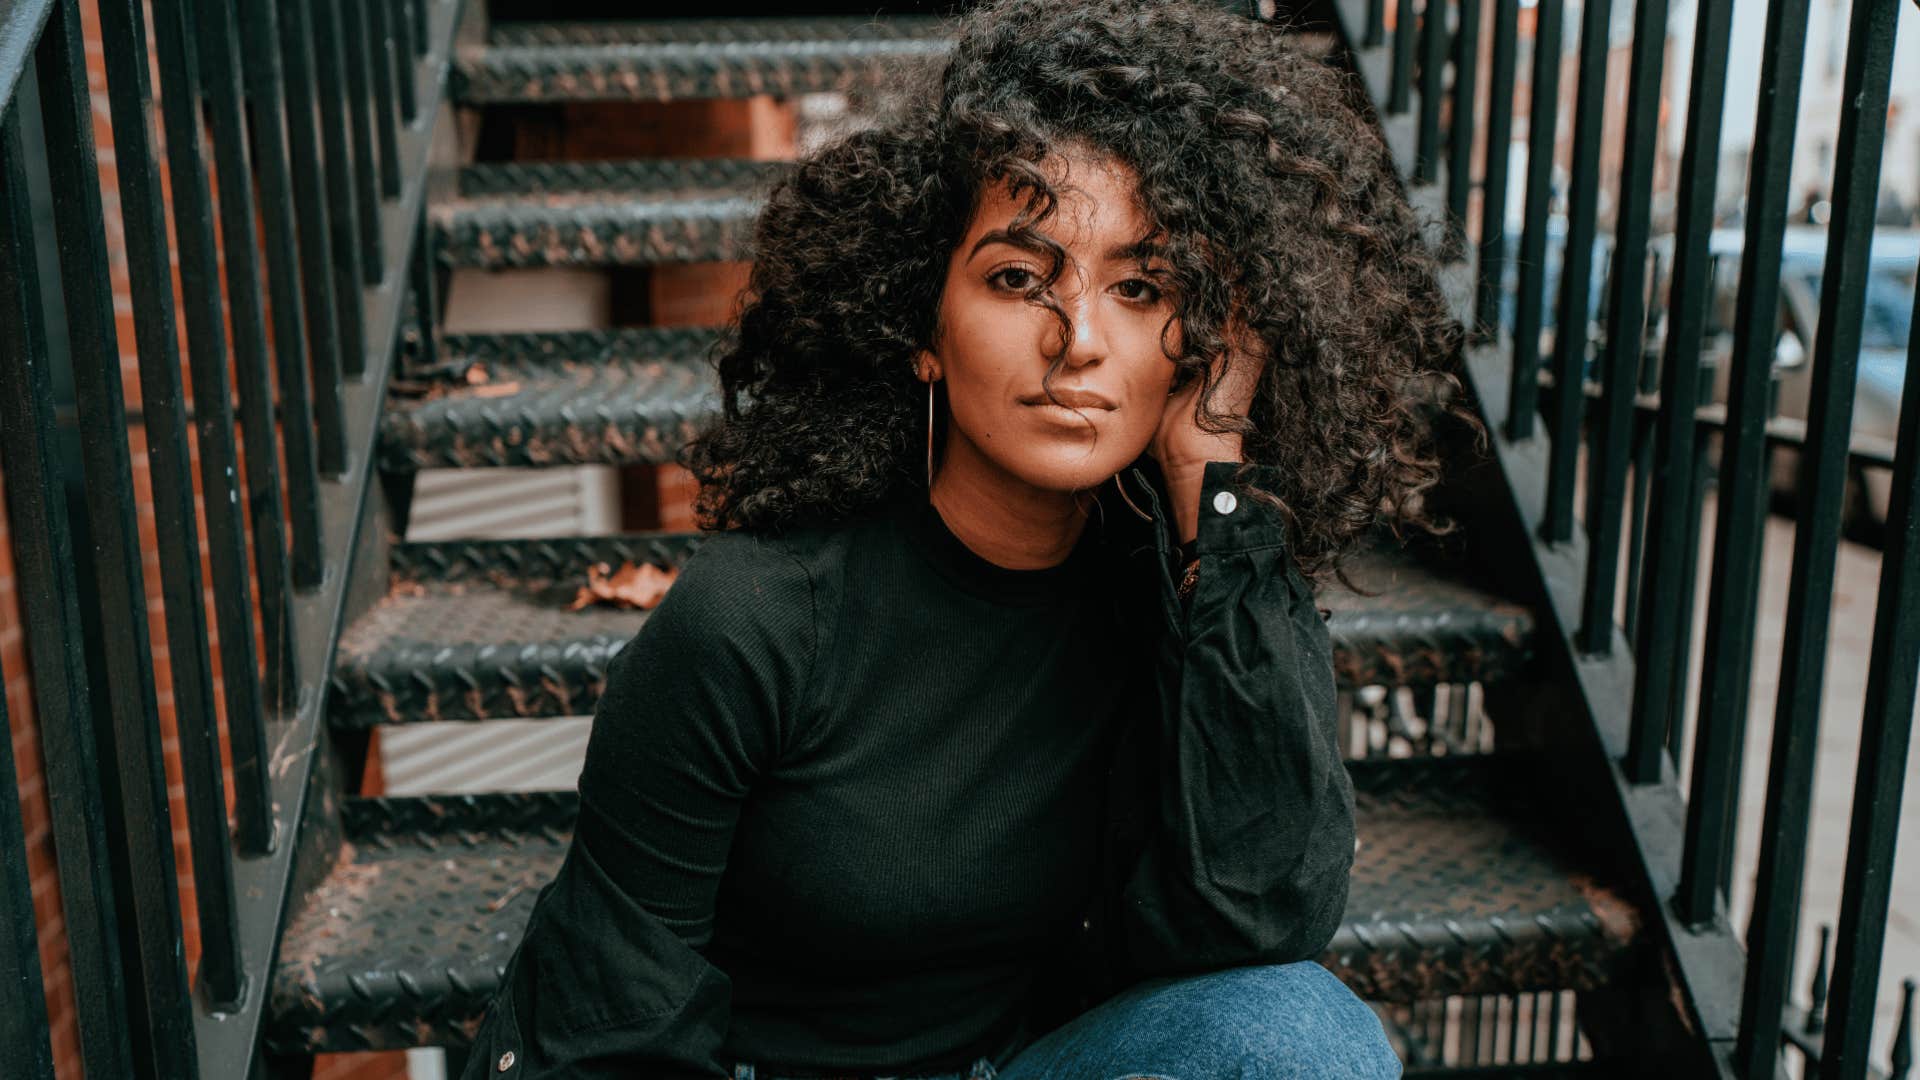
x=622 y=406
x=479 y=630
x=604 y=213
x=1459 y=887
x=686 y=344
x=686 y=59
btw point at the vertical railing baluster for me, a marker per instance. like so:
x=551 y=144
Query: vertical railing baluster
x=1433 y=69
x=226 y=541
x=1570 y=344
x=340 y=52
x=406 y=63
x=1466 y=74
x=163 y=1030
x=1376 y=31
x=426 y=304
x=1817 y=994
x=329 y=290
x=260 y=61
x=246 y=727
x=1543 y=118
x=349 y=180
x=378 y=51
x=1400 y=85
x=1901 y=1057
x=1626 y=330
x=26 y=416
x=1822 y=479
x=1660 y=653
x=1493 y=185
x=1738 y=539
x=1892 y=670
x=418 y=12
x=48 y=569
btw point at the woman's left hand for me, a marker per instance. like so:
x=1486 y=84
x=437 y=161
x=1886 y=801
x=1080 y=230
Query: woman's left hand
x=1183 y=448
x=1180 y=444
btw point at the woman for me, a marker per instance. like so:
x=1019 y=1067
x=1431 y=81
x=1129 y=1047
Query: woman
x=993 y=733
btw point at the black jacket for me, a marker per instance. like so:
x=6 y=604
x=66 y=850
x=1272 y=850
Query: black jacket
x=1239 y=854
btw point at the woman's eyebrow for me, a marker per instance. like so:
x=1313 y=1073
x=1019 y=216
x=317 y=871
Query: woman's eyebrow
x=1002 y=236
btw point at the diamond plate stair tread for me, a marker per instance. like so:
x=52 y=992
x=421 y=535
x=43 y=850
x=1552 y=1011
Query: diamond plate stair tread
x=552 y=412
x=692 y=58
x=491 y=637
x=668 y=343
x=1458 y=887
x=612 y=213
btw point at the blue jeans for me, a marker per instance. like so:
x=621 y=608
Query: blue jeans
x=1277 y=1022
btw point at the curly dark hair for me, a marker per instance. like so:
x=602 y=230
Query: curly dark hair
x=1272 y=195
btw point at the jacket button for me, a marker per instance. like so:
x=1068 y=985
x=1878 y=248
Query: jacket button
x=506 y=1061
x=1224 y=503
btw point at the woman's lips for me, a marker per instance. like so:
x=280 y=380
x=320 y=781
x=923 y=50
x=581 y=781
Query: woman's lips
x=1072 y=399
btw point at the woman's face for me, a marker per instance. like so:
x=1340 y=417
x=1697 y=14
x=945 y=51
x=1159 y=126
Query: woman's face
x=994 y=346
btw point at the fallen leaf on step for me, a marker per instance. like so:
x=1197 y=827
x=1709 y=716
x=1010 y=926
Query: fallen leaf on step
x=477 y=375
x=497 y=389
x=628 y=587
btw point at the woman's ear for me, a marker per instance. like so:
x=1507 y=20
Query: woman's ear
x=925 y=367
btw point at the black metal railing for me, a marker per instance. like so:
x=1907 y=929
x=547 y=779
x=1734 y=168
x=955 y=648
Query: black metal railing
x=296 y=144
x=1625 y=406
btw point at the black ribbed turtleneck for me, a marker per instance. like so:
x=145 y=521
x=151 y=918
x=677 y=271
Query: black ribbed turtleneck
x=877 y=806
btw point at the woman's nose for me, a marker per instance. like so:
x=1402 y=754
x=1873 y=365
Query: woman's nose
x=1087 y=342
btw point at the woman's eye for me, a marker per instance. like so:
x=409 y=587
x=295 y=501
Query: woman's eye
x=1140 y=289
x=1013 y=278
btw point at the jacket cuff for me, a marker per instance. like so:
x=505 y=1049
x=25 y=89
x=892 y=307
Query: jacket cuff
x=1232 y=521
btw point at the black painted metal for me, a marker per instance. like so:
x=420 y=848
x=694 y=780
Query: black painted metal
x=420 y=275
x=399 y=19
x=58 y=649
x=1796 y=716
x=1466 y=75
x=417 y=9
x=1493 y=186
x=26 y=414
x=247 y=715
x=1542 y=122
x=349 y=177
x=1673 y=523
x=226 y=542
x=166 y=1025
x=349 y=41
x=1400 y=91
x=1376 y=24
x=330 y=300
x=1576 y=270
x=1433 y=63
x=377 y=53
x=260 y=55
x=1902 y=1057
x=1733 y=599
x=1626 y=311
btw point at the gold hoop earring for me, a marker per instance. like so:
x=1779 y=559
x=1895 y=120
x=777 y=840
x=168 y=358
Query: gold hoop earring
x=929 y=436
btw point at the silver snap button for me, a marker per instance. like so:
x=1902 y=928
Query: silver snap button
x=506 y=1061
x=1224 y=503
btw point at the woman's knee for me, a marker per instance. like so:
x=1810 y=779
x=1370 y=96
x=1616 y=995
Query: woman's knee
x=1271 y=1022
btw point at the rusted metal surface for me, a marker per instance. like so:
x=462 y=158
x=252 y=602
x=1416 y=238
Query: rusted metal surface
x=694 y=58
x=530 y=413
x=1457 y=889
x=602 y=213
x=1464 y=885
x=1422 y=627
x=478 y=629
